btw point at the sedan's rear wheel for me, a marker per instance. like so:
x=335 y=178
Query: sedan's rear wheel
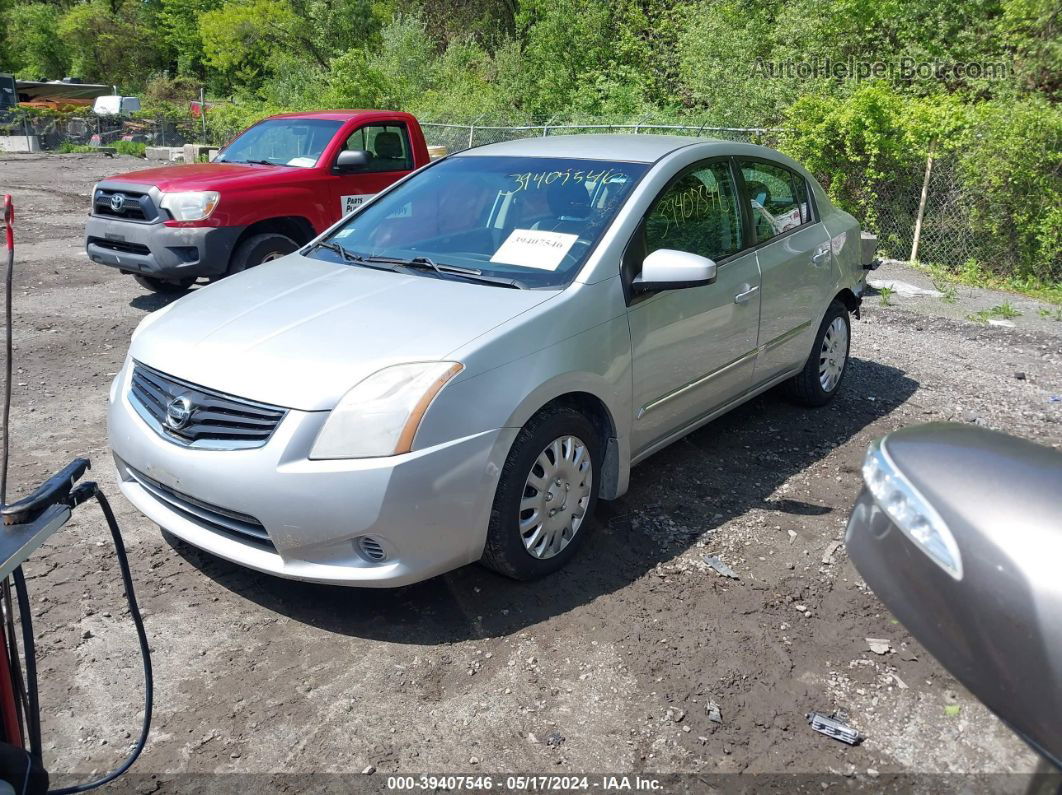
x=546 y=495
x=824 y=370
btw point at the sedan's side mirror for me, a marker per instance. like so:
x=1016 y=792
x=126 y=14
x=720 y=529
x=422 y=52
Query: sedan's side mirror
x=667 y=269
x=957 y=531
x=352 y=160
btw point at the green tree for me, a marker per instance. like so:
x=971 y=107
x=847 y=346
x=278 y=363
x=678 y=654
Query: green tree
x=111 y=42
x=33 y=48
x=178 y=22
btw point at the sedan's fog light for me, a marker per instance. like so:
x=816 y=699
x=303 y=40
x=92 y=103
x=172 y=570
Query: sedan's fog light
x=909 y=510
x=370 y=549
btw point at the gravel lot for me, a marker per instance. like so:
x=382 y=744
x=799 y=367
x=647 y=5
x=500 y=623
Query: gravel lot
x=606 y=667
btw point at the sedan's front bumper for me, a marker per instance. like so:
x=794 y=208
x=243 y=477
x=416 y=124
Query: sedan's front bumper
x=427 y=510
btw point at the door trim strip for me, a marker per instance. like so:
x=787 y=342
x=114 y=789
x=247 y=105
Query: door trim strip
x=783 y=338
x=704 y=379
x=697 y=382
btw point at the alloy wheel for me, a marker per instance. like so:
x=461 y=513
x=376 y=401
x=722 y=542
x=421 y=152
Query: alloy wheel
x=555 y=497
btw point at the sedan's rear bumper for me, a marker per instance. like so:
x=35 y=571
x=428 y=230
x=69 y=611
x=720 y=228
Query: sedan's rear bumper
x=274 y=510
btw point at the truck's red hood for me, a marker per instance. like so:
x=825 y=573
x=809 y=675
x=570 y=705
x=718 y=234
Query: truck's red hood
x=206 y=176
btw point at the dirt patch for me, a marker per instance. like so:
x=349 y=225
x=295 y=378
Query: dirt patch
x=608 y=666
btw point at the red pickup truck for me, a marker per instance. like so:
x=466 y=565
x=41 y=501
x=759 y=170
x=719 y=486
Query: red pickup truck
x=273 y=188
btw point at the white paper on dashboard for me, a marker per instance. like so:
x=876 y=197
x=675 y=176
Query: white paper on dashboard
x=534 y=248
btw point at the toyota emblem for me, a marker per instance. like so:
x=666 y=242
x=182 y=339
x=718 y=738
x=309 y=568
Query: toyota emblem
x=178 y=413
x=117 y=202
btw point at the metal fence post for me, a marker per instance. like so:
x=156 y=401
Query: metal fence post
x=202 y=112
x=922 y=205
x=471 y=131
x=25 y=131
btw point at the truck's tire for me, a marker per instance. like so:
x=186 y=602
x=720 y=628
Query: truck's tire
x=567 y=485
x=824 y=370
x=160 y=286
x=258 y=249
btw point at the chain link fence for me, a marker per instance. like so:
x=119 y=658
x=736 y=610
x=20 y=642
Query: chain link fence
x=54 y=132
x=945 y=234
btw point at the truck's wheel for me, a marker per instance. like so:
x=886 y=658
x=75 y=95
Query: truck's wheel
x=258 y=249
x=546 y=495
x=160 y=286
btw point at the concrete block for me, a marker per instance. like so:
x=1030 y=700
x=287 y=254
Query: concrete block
x=192 y=152
x=25 y=144
x=167 y=153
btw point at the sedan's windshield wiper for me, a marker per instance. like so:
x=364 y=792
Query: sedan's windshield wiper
x=261 y=162
x=469 y=274
x=336 y=248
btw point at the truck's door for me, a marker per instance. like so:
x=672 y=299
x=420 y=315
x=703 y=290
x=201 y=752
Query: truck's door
x=390 y=159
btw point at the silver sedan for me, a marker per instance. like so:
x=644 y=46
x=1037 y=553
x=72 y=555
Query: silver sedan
x=460 y=369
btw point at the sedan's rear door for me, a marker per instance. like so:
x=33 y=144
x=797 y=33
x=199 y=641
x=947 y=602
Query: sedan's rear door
x=795 y=263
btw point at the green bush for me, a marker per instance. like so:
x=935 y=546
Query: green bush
x=67 y=148
x=134 y=148
x=1011 y=171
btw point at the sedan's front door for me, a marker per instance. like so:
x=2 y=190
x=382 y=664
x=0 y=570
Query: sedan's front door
x=693 y=348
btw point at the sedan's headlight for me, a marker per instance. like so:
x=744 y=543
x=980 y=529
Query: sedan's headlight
x=380 y=416
x=909 y=510
x=193 y=205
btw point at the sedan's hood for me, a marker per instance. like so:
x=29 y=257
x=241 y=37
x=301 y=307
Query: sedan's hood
x=300 y=332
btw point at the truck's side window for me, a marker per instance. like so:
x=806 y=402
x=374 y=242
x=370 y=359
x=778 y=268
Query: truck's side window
x=387 y=145
x=697 y=213
x=778 y=198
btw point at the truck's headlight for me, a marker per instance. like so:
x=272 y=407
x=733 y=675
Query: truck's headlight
x=380 y=416
x=192 y=205
x=909 y=510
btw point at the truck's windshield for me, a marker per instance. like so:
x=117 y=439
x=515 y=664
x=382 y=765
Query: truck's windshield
x=281 y=142
x=532 y=219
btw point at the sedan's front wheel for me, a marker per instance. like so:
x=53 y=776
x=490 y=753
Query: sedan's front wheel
x=546 y=495
x=824 y=370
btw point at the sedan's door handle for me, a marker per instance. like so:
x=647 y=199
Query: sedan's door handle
x=743 y=297
x=820 y=257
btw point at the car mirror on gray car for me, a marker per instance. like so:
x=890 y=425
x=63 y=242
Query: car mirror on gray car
x=957 y=531
x=352 y=160
x=668 y=269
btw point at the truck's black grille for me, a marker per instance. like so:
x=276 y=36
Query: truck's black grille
x=120 y=245
x=193 y=415
x=127 y=204
x=241 y=525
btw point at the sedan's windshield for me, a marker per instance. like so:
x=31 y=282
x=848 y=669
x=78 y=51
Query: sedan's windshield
x=527 y=219
x=281 y=142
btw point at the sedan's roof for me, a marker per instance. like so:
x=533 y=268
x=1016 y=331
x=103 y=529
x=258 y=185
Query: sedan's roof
x=631 y=148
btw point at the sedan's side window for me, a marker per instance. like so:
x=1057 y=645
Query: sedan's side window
x=697 y=213
x=778 y=198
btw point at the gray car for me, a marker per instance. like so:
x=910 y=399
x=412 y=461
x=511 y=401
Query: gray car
x=460 y=369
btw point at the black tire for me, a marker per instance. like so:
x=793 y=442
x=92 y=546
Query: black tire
x=161 y=286
x=258 y=249
x=505 y=551
x=806 y=388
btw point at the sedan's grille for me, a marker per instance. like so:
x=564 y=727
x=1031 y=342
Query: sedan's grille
x=195 y=416
x=131 y=205
x=220 y=519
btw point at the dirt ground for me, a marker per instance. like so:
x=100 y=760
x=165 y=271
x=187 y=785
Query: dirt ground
x=606 y=667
